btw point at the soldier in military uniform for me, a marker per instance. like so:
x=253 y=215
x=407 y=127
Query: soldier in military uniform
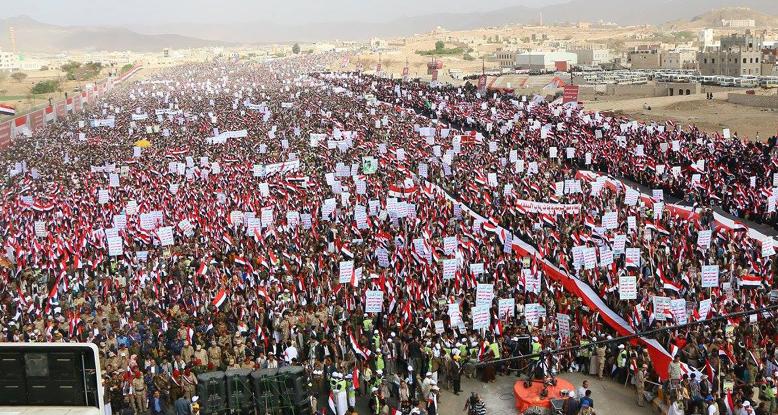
x=161 y=383
x=232 y=364
x=640 y=383
x=239 y=350
x=215 y=355
x=187 y=352
x=201 y=355
x=248 y=362
x=600 y=350
x=138 y=399
x=176 y=388
x=189 y=384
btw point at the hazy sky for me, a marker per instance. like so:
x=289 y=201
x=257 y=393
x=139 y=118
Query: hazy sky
x=155 y=12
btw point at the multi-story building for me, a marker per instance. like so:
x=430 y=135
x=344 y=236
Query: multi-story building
x=645 y=59
x=592 y=56
x=505 y=58
x=737 y=55
x=7 y=61
x=544 y=60
x=678 y=59
x=706 y=38
x=738 y=23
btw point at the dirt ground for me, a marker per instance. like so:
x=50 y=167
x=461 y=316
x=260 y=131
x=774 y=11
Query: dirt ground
x=17 y=94
x=714 y=116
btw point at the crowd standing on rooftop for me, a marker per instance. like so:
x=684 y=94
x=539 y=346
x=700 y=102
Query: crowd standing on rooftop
x=391 y=238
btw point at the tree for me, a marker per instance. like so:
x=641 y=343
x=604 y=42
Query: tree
x=45 y=87
x=440 y=45
x=70 y=66
x=296 y=48
x=19 y=76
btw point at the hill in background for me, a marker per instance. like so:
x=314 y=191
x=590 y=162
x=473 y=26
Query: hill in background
x=34 y=36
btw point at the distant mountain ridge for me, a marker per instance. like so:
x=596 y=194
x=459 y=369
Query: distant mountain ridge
x=632 y=12
x=713 y=18
x=34 y=36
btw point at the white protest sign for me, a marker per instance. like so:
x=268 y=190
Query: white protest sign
x=661 y=304
x=563 y=322
x=481 y=317
x=346 y=272
x=40 y=229
x=506 y=308
x=678 y=310
x=165 y=235
x=484 y=295
x=374 y=301
x=633 y=257
x=710 y=276
x=449 y=268
x=102 y=196
x=628 y=288
x=115 y=246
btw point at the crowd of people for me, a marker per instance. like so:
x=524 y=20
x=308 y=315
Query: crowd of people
x=389 y=237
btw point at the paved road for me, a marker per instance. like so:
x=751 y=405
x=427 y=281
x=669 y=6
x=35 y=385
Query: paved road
x=609 y=397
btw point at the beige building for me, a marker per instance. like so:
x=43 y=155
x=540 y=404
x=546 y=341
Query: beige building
x=738 y=23
x=679 y=59
x=645 y=59
x=505 y=58
x=591 y=56
x=738 y=55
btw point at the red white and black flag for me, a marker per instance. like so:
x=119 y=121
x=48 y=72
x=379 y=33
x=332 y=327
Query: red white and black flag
x=6 y=109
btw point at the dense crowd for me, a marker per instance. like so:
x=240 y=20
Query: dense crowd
x=388 y=237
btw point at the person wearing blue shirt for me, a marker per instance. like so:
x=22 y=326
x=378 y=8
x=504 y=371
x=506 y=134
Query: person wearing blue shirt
x=587 y=399
x=156 y=407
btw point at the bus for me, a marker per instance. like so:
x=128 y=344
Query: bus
x=768 y=82
x=744 y=82
x=50 y=379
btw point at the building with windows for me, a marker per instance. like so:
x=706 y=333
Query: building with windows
x=737 y=55
x=505 y=58
x=679 y=59
x=7 y=61
x=738 y=23
x=648 y=58
x=545 y=60
x=705 y=38
x=593 y=56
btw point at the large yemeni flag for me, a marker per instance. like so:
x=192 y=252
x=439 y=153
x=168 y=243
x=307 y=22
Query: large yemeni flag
x=6 y=109
x=750 y=281
x=220 y=297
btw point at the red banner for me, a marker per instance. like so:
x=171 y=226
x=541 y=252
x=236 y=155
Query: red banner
x=77 y=103
x=570 y=94
x=434 y=74
x=60 y=108
x=20 y=121
x=36 y=120
x=5 y=134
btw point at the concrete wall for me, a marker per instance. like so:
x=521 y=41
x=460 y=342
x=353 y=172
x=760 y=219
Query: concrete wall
x=587 y=93
x=763 y=101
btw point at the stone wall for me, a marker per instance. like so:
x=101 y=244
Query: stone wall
x=763 y=101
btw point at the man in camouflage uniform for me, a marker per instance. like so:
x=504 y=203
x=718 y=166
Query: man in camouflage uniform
x=215 y=355
x=187 y=352
x=138 y=399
